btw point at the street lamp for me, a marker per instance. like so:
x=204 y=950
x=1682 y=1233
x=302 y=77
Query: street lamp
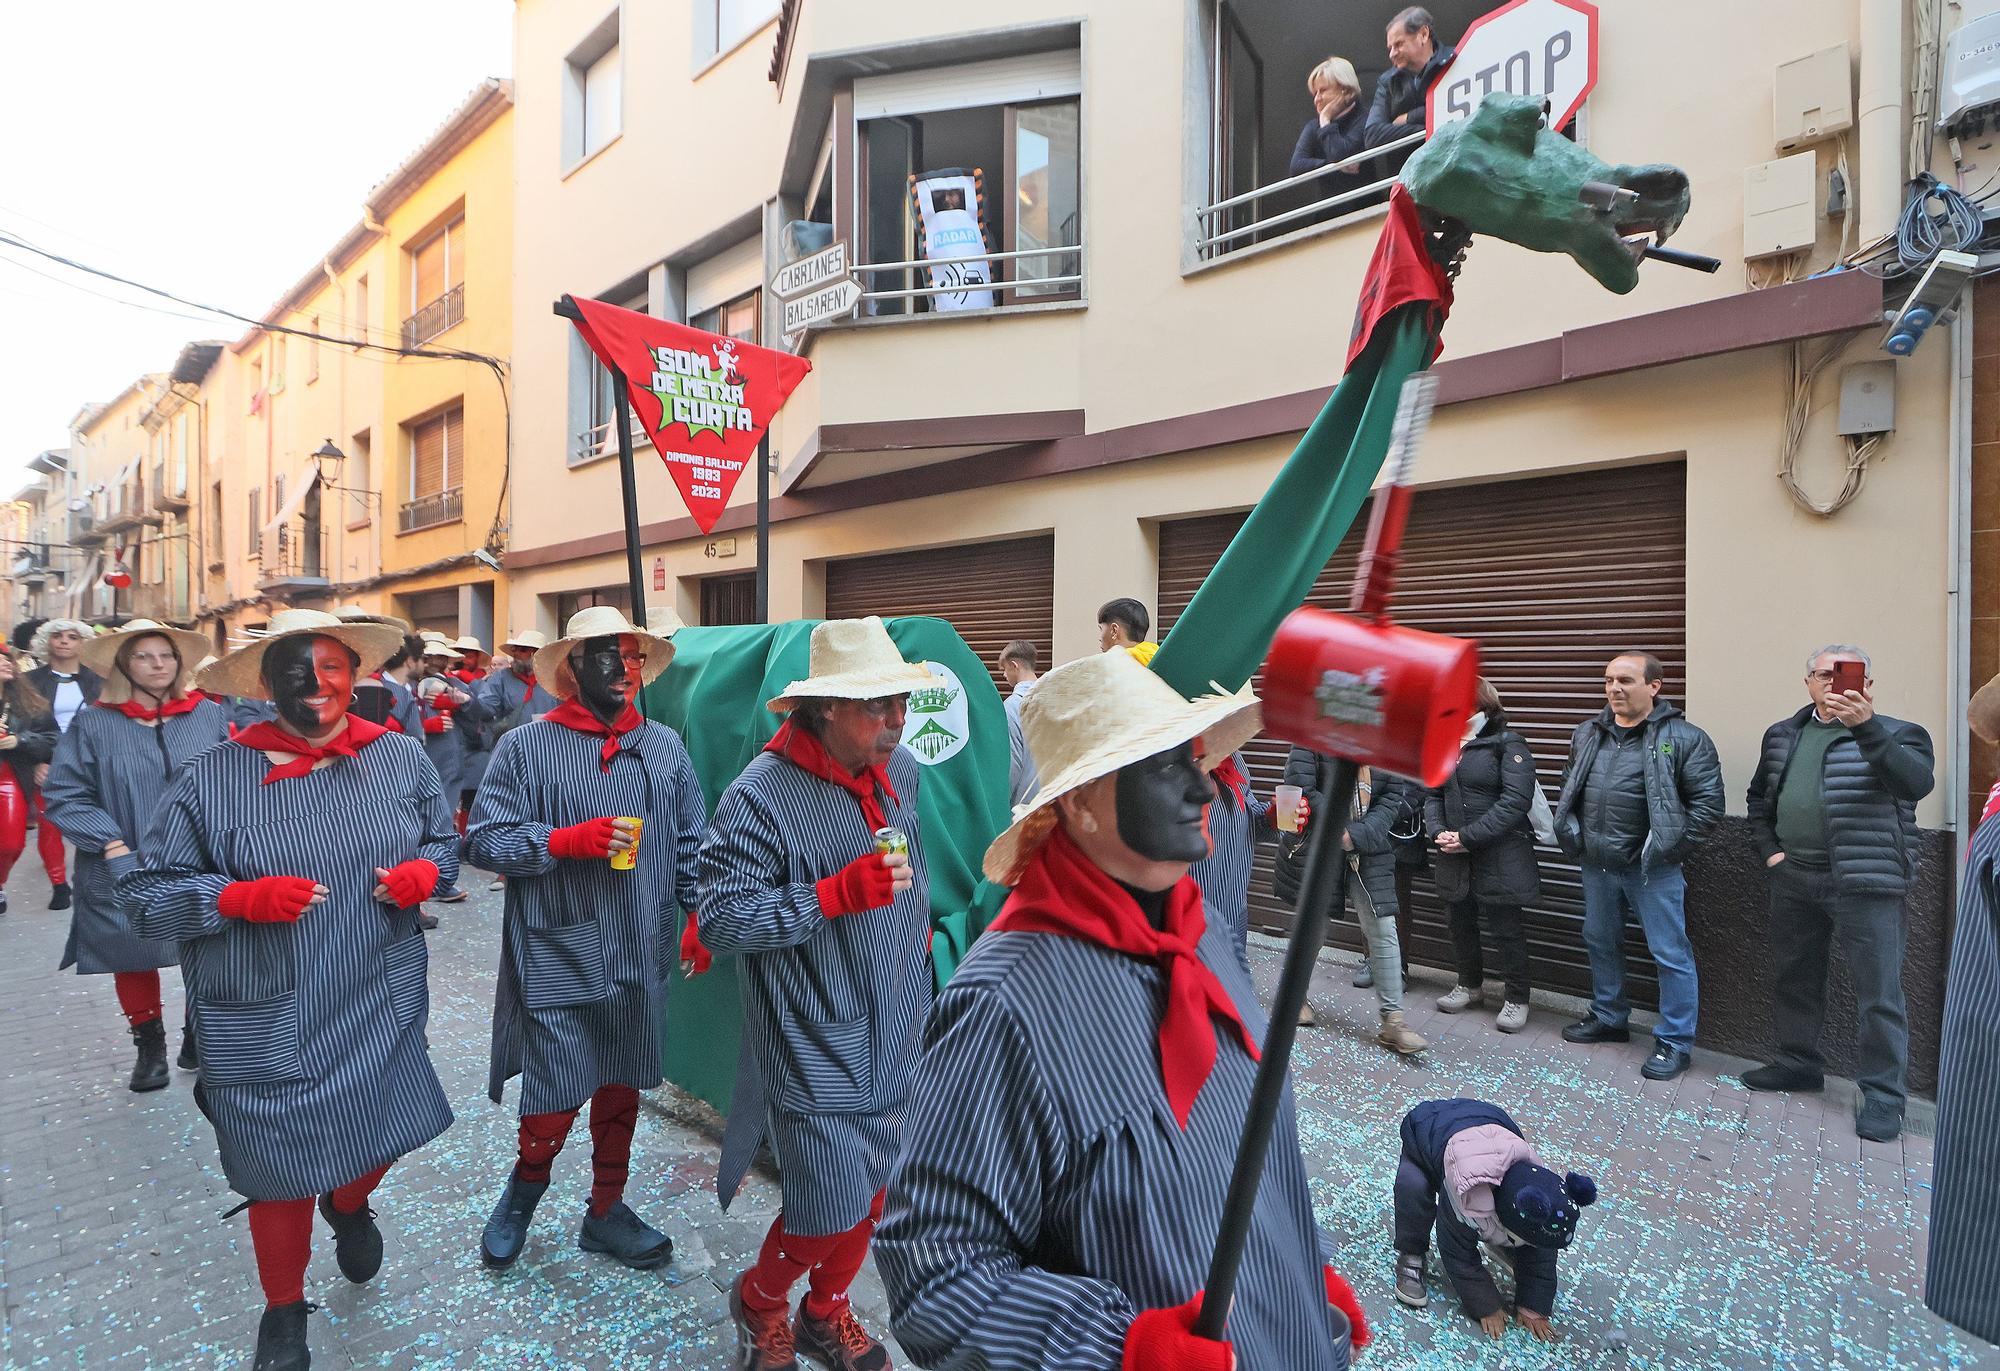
x=327 y=454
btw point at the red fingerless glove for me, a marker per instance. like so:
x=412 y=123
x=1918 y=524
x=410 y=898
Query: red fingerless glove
x=411 y=882
x=692 y=951
x=1164 y=1340
x=434 y=724
x=1340 y=1295
x=266 y=900
x=864 y=883
x=591 y=838
x=444 y=704
x=1305 y=813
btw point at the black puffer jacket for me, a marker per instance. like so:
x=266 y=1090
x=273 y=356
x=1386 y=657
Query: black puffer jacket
x=1683 y=787
x=1385 y=835
x=1874 y=778
x=1486 y=802
x=36 y=736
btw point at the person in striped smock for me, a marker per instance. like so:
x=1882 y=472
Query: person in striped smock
x=106 y=780
x=288 y=864
x=1085 y=1077
x=833 y=932
x=449 y=712
x=588 y=944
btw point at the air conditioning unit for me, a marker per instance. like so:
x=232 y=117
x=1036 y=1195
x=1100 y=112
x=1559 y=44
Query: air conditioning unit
x=1971 y=89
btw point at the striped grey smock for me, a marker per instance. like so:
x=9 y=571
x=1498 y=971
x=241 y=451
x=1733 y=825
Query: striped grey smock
x=1224 y=874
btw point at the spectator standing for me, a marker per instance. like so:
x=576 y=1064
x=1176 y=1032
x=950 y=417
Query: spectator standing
x=27 y=741
x=1017 y=666
x=1642 y=789
x=1336 y=130
x=1833 y=804
x=1415 y=60
x=1485 y=868
x=1125 y=623
x=68 y=685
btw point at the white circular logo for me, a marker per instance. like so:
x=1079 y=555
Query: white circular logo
x=939 y=721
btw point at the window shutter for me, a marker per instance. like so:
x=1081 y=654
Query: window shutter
x=454 y=255
x=427 y=458
x=429 y=268
x=452 y=469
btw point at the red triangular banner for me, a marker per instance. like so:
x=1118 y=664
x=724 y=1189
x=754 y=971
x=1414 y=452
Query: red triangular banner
x=702 y=398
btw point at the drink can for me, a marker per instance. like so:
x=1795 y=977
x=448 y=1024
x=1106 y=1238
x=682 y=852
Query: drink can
x=892 y=842
x=629 y=858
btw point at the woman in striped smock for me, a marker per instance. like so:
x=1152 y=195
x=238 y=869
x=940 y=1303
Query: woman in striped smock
x=109 y=774
x=588 y=949
x=287 y=864
x=836 y=973
x=1086 y=1074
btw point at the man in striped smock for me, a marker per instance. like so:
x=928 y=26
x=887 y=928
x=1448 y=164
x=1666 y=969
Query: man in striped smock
x=287 y=863
x=1086 y=1074
x=588 y=946
x=833 y=933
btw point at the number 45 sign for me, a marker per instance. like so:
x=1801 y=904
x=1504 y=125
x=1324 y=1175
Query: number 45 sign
x=1544 y=49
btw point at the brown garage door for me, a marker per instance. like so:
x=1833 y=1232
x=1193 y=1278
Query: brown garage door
x=992 y=593
x=1553 y=576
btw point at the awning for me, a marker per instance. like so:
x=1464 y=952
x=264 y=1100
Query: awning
x=294 y=502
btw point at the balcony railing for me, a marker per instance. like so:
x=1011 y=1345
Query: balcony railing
x=169 y=487
x=434 y=318
x=84 y=528
x=601 y=440
x=293 y=558
x=1029 y=287
x=428 y=511
x=1217 y=233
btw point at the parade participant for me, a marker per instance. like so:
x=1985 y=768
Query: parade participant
x=27 y=740
x=68 y=685
x=397 y=672
x=830 y=916
x=111 y=771
x=242 y=713
x=596 y=814
x=287 y=864
x=445 y=710
x=1086 y=1073
x=512 y=697
x=470 y=674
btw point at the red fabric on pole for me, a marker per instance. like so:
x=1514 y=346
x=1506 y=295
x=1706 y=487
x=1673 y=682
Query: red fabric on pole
x=1400 y=273
x=138 y=995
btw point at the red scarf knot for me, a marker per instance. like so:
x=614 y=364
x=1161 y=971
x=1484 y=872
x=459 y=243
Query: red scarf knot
x=809 y=755
x=1065 y=893
x=575 y=714
x=268 y=737
x=1229 y=774
x=132 y=709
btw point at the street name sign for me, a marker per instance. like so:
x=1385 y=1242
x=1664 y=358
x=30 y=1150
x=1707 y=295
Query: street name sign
x=795 y=278
x=828 y=302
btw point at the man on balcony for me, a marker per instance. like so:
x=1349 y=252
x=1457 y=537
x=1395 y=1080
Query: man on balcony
x=1415 y=61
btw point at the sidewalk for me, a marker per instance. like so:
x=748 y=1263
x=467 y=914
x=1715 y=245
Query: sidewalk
x=1734 y=1230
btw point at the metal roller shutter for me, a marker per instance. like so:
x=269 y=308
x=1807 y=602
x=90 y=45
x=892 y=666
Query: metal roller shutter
x=1553 y=576
x=992 y=593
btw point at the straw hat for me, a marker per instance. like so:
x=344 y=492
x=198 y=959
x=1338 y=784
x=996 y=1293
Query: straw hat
x=664 y=621
x=1982 y=712
x=1098 y=715
x=355 y=614
x=470 y=644
x=598 y=621
x=241 y=673
x=437 y=645
x=100 y=654
x=853 y=659
x=532 y=638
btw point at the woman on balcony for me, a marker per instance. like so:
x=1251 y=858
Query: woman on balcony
x=1334 y=133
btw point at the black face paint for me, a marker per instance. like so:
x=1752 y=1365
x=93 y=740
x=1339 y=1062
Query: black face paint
x=1161 y=806
x=312 y=682
x=607 y=673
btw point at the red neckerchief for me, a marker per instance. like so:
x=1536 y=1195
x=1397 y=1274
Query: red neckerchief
x=132 y=709
x=526 y=678
x=1063 y=892
x=574 y=714
x=268 y=737
x=1992 y=804
x=1231 y=775
x=465 y=676
x=809 y=755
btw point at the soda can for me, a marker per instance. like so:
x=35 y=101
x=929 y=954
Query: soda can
x=629 y=858
x=892 y=842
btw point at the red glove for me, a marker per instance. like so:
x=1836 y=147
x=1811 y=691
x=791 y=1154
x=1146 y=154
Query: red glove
x=434 y=724
x=1305 y=812
x=1340 y=1295
x=411 y=882
x=864 y=883
x=266 y=900
x=443 y=703
x=1164 y=1340
x=692 y=952
x=591 y=838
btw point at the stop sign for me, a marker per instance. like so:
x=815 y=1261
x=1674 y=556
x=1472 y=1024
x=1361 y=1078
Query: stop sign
x=1545 y=49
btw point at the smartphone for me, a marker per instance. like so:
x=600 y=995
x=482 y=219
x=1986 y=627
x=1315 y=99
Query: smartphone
x=1848 y=675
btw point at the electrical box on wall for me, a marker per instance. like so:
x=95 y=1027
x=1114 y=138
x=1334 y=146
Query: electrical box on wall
x=1813 y=97
x=1780 y=206
x=1867 y=398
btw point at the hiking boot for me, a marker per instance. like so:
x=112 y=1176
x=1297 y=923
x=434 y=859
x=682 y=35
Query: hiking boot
x=1460 y=998
x=624 y=1236
x=59 y=897
x=1364 y=977
x=281 y=1338
x=1512 y=1018
x=190 y=1057
x=507 y=1227
x=1396 y=1036
x=1591 y=1029
x=1780 y=1077
x=1410 y=1291
x=149 y=1071
x=1666 y=1062
x=839 y=1343
x=357 y=1242
x=764 y=1339
x=1879 y=1121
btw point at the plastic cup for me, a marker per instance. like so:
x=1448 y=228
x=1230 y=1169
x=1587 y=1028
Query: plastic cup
x=1287 y=798
x=629 y=858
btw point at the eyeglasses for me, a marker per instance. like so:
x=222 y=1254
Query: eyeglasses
x=1823 y=677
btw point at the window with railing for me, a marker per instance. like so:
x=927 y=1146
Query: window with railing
x=437 y=467
x=598 y=436
x=437 y=284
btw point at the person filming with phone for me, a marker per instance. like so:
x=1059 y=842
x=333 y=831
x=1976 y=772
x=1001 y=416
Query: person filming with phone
x=1833 y=805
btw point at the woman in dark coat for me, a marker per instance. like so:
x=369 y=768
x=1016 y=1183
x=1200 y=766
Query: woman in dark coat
x=1484 y=866
x=27 y=739
x=1334 y=133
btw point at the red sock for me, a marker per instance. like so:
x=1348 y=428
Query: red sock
x=614 y=1113
x=281 y=1234
x=460 y=818
x=542 y=1137
x=767 y=1286
x=349 y=1198
x=138 y=995
x=834 y=1273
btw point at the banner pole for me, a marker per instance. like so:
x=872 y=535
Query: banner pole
x=764 y=528
x=629 y=487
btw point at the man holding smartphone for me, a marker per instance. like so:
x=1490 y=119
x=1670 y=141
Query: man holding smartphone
x=1833 y=803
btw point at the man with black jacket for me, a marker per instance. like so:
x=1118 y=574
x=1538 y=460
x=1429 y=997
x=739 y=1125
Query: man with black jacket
x=1833 y=805
x=1415 y=61
x=1642 y=787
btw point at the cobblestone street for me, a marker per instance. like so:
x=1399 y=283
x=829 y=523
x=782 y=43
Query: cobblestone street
x=1733 y=1231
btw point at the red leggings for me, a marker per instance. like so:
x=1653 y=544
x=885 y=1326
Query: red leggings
x=48 y=842
x=281 y=1234
x=13 y=821
x=614 y=1113
x=834 y=1259
x=138 y=995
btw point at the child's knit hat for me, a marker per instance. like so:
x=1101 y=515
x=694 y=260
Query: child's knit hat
x=1540 y=1207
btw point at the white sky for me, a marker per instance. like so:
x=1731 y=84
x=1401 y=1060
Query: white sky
x=216 y=148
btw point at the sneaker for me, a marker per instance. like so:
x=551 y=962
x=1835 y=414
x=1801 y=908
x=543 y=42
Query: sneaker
x=1512 y=1018
x=1364 y=978
x=1397 y=1036
x=281 y=1338
x=1410 y=1292
x=452 y=896
x=764 y=1340
x=3 y=902
x=507 y=1226
x=59 y=897
x=1306 y=1016
x=1591 y=1029
x=1778 y=1077
x=499 y=883
x=1666 y=1062
x=1879 y=1121
x=357 y=1242
x=839 y=1343
x=1460 y=998
x=625 y=1237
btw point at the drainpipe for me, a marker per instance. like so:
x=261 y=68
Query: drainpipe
x=1882 y=127
x=1958 y=595
x=338 y=516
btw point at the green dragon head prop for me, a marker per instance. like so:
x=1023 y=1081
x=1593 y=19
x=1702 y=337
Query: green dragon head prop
x=1503 y=172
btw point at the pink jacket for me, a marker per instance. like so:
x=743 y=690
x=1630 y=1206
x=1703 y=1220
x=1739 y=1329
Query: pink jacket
x=1474 y=1161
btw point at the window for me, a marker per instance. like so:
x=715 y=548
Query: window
x=359 y=324
x=730 y=599
x=312 y=352
x=216 y=559
x=357 y=476
x=437 y=466
x=177 y=483
x=278 y=364
x=437 y=284
x=720 y=25
x=593 y=93
x=256 y=522
x=734 y=318
x=570 y=601
x=600 y=434
x=257 y=386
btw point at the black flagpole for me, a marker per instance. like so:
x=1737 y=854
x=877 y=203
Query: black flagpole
x=764 y=528
x=635 y=573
